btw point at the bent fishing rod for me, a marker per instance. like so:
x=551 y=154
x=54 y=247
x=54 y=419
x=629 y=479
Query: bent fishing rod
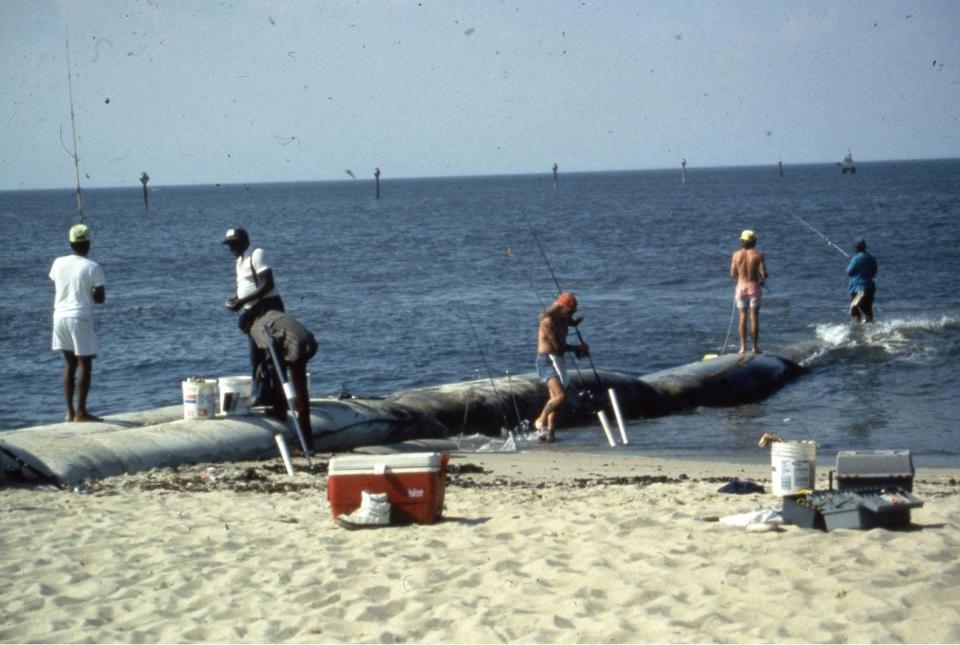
x=73 y=127
x=576 y=327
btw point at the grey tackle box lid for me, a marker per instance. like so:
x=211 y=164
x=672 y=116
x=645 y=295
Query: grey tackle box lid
x=874 y=463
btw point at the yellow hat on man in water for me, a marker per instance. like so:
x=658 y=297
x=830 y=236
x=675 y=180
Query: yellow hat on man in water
x=747 y=235
x=79 y=233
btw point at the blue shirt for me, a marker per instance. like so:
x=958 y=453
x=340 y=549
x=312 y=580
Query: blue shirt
x=862 y=270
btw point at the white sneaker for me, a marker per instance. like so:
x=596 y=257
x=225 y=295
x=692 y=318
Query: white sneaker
x=374 y=511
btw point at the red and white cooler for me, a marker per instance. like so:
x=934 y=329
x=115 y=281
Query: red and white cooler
x=414 y=483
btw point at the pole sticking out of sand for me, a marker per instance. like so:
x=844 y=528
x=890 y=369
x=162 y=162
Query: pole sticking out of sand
x=376 y=177
x=683 y=171
x=616 y=412
x=556 y=184
x=144 y=178
x=284 y=453
x=606 y=428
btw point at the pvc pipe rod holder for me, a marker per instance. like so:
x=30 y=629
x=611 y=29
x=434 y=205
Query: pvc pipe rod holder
x=616 y=411
x=606 y=428
x=284 y=453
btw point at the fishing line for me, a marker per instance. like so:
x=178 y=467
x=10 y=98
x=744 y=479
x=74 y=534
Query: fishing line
x=807 y=224
x=522 y=423
x=733 y=311
x=483 y=356
x=73 y=127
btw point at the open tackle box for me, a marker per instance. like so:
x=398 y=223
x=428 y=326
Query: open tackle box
x=856 y=508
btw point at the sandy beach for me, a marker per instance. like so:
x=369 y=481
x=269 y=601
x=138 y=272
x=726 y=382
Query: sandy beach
x=534 y=547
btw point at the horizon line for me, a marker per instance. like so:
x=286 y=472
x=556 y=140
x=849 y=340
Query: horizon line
x=135 y=182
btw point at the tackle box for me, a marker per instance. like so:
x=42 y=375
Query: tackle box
x=860 y=508
x=414 y=483
x=874 y=468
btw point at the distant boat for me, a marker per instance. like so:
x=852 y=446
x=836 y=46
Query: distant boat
x=848 y=166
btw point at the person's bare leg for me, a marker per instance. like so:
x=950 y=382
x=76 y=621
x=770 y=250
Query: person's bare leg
x=69 y=381
x=84 y=380
x=755 y=328
x=547 y=418
x=743 y=330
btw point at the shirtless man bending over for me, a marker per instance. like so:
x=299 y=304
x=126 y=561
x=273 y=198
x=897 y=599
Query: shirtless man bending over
x=748 y=268
x=551 y=346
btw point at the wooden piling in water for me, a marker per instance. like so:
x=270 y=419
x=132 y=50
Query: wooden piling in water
x=144 y=178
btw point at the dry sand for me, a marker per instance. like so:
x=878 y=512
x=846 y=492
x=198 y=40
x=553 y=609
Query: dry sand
x=539 y=547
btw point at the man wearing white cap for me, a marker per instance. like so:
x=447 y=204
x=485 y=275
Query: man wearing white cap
x=256 y=295
x=749 y=269
x=78 y=283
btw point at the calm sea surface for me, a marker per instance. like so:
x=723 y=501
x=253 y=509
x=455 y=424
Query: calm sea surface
x=381 y=285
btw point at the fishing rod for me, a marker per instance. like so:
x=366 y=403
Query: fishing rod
x=585 y=395
x=483 y=356
x=73 y=127
x=807 y=224
x=576 y=328
x=611 y=393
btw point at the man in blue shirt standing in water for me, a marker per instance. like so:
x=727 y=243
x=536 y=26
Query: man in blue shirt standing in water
x=862 y=270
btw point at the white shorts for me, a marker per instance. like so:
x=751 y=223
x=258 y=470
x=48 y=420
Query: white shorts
x=74 y=335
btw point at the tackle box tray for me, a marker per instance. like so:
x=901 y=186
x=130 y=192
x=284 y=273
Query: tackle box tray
x=861 y=508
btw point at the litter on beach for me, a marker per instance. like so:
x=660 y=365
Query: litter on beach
x=763 y=516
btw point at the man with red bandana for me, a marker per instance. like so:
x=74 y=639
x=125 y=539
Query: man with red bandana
x=552 y=344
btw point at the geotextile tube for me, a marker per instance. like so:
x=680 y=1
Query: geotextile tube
x=126 y=443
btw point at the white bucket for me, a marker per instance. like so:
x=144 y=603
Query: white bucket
x=199 y=398
x=235 y=395
x=794 y=466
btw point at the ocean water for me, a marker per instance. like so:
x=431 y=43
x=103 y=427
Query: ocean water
x=391 y=287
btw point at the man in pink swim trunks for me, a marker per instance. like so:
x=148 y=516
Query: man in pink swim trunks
x=749 y=269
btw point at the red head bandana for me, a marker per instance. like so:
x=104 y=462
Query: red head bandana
x=567 y=300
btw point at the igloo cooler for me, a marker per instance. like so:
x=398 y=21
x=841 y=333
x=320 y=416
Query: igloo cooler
x=414 y=483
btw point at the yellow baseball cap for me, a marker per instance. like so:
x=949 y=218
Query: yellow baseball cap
x=747 y=235
x=79 y=233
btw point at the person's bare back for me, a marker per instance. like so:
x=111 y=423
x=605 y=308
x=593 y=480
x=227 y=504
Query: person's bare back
x=747 y=265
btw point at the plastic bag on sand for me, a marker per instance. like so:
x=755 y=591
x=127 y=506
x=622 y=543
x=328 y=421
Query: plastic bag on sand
x=763 y=516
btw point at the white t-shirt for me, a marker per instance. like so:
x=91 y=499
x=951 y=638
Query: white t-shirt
x=74 y=278
x=245 y=282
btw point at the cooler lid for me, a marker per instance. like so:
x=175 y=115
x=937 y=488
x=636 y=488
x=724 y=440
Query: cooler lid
x=378 y=464
x=874 y=463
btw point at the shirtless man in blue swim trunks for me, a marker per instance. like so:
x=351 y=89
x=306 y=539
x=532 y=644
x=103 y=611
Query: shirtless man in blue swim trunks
x=552 y=344
x=749 y=269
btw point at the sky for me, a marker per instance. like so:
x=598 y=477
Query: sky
x=202 y=92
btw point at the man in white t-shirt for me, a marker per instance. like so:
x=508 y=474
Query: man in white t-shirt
x=256 y=295
x=79 y=283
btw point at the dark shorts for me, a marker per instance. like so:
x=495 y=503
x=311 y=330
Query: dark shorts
x=865 y=305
